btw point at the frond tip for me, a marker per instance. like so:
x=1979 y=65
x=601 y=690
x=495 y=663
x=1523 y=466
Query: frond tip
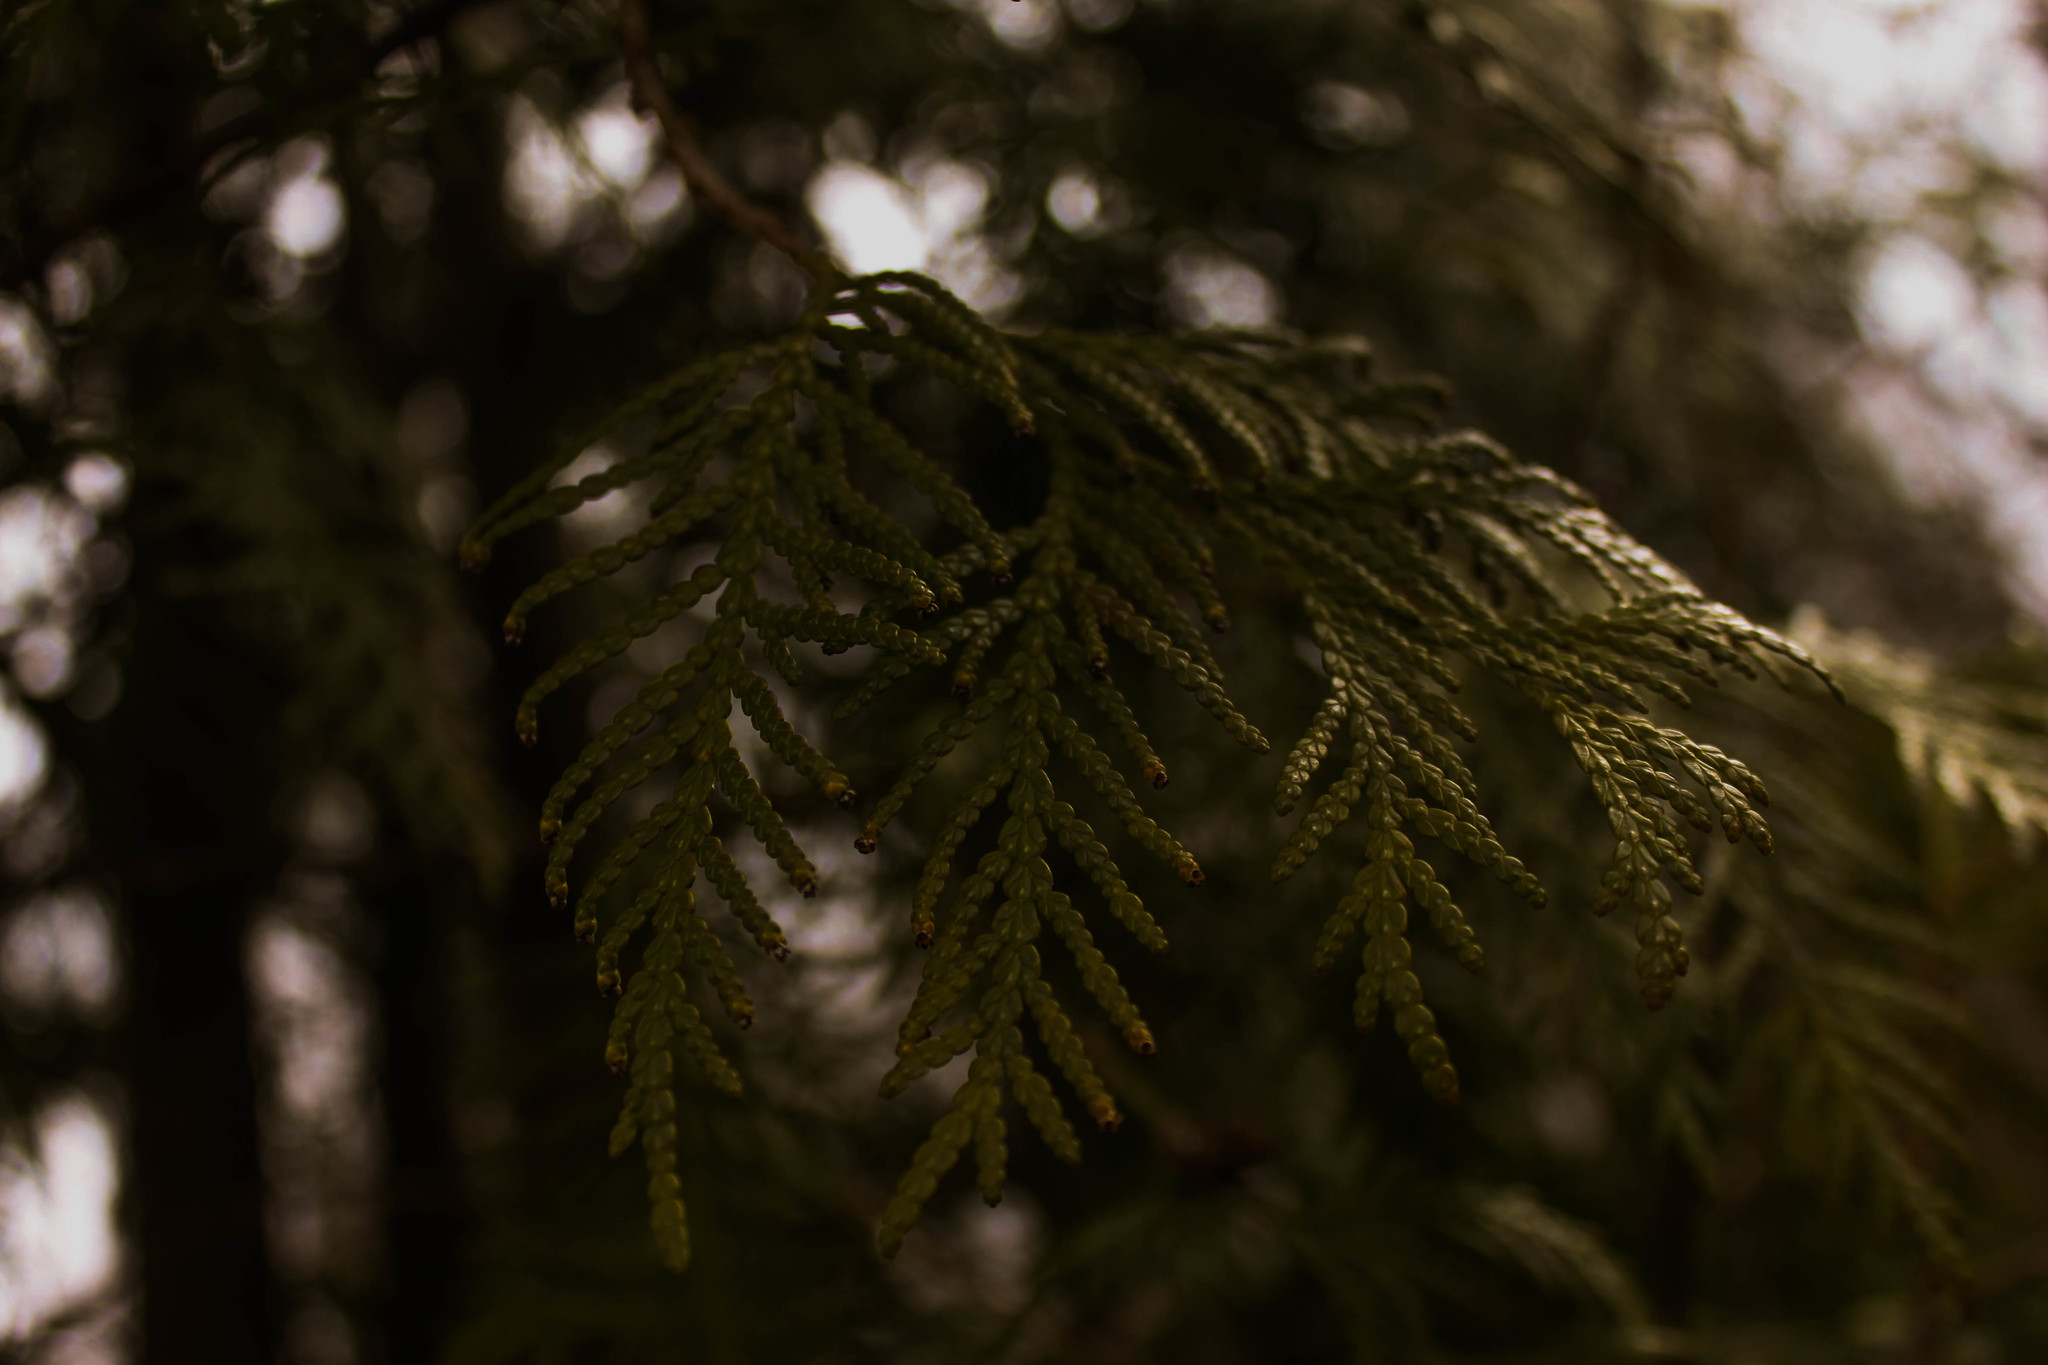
x=1408 y=553
x=1965 y=736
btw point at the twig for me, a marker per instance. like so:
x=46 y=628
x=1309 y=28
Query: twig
x=636 y=38
x=260 y=125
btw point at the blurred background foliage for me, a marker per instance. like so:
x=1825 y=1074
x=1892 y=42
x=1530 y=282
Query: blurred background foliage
x=299 y=1066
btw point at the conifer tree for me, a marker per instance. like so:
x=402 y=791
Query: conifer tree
x=995 y=731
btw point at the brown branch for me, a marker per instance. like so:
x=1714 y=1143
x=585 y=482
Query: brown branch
x=636 y=39
x=146 y=183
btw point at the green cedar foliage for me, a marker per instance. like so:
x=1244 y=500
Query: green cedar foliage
x=1408 y=552
x=1966 y=736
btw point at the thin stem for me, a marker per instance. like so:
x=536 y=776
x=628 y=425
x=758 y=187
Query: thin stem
x=636 y=37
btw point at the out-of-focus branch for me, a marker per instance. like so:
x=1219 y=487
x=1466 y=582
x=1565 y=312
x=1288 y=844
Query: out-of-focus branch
x=643 y=69
x=146 y=183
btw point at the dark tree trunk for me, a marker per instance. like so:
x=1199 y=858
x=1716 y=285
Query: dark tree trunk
x=429 y=1217
x=181 y=809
